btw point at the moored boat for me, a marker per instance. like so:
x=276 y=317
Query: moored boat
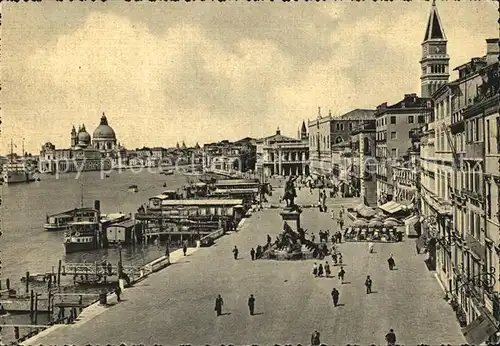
x=60 y=221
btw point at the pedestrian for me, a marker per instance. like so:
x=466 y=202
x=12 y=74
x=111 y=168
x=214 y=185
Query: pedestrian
x=251 y=304
x=315 y=340
x=252 y=254
x=341 y=224
x=341 y=274
x=333 y=214
x=320 y=270
x=118 y=292
x=335 y=296
x=370 y=247
x=391 y=263
x=339 y=256
x=328 y=272
x=184 y=249
x=390 y=338
x=334 y=257
x=268 y=239
x=218 y=305
x=340 y=237
x=235 y=252
x=313 y=237
x=315 y=269
x=368 y=284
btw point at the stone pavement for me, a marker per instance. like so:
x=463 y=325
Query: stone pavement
x=176 y=305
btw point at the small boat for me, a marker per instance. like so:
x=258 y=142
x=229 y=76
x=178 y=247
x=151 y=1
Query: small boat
x=167 y=172
x=133 y=188
x=107 y=175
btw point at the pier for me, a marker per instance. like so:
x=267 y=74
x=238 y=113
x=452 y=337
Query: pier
x=290 y=302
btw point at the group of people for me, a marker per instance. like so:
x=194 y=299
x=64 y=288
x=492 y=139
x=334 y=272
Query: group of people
x=324 y=235
x=219 y=303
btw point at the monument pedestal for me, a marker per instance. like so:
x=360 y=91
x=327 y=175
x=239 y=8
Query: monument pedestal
x=292 y=218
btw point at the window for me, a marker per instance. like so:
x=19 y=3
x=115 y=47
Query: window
x=350 y=126
x=487 y=135
x=393 y=120
x=394 y=152
x=421 y=119
x=410 y=119
x=393 y=135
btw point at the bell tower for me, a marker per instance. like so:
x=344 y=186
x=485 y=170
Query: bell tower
x=435 y=60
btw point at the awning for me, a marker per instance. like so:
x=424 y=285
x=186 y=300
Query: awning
x=479 y=330
x=391 y=207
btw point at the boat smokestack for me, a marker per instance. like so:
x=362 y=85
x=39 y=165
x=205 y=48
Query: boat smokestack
x=97 y=205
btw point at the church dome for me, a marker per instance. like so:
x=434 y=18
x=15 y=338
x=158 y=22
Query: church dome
x=83 y=136
x=104 y=131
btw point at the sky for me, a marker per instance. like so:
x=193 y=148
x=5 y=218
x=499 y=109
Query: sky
x=166 y=72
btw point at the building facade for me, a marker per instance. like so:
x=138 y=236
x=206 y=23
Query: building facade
x=461 y=193
x=281 y=155
x=362 y=174
x=395 y=125
x=102 y=152
x=326 y=131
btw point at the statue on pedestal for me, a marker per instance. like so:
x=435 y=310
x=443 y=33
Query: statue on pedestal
x=290 y=193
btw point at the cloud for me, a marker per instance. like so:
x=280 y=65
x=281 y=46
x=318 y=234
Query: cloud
x=167 y=74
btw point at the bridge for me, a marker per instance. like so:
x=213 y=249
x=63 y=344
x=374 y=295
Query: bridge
x=99 y=270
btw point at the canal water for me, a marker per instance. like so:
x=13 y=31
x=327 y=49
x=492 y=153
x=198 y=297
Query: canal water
x=26 y=246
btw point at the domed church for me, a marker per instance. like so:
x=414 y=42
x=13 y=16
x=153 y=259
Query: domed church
x=103 y=138
x=86 y=153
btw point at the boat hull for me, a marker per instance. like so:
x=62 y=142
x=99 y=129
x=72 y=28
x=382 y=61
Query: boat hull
x=52 y=228
x=79 y=247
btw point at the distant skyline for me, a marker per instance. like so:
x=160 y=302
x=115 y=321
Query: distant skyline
x=202 y=72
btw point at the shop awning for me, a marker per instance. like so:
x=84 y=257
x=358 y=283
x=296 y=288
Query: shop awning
x=391 y=207
x=479 y=330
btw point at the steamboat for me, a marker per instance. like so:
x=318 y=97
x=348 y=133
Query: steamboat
x=88 y=231
x=15 y=171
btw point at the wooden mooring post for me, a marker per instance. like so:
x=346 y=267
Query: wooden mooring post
x=27 y=282
x=35 y=312
x=59 y=273
x=7 y=283
x=32 y=305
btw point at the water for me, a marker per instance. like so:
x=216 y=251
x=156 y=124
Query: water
x=26 y=246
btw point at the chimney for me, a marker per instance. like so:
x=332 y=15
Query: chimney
x=492 y=50
x=278 y=132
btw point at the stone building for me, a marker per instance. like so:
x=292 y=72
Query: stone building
x=362 y=175
x=281 y=155
x=394 y=127
x=85 y=153
x=326 y=131
x=435 y=60
x=460 y=193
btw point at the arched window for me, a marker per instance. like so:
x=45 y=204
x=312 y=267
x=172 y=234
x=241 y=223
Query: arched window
x=366 y=145
x=339 y=139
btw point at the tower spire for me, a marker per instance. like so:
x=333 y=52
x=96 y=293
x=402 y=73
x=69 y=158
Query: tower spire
x=435 y=62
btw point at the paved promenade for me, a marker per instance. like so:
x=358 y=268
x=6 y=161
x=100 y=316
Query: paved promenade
x=176 y=305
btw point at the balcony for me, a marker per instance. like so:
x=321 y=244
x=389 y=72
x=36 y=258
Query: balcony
x=474 y=150
x=475 y=246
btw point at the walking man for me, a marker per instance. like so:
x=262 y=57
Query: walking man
x=235 y=252
x=252 y=254
x=184 y=248
x=251 y=304
x=328 y=271
x=335 y=296
x=218 y=305
x=391 y=263
x=390 y=338
x=341 y=274
x=315 y=341
x=118 y=292
x=368 y=284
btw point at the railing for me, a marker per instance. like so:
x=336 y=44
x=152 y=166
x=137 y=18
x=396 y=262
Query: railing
x=209 y=239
